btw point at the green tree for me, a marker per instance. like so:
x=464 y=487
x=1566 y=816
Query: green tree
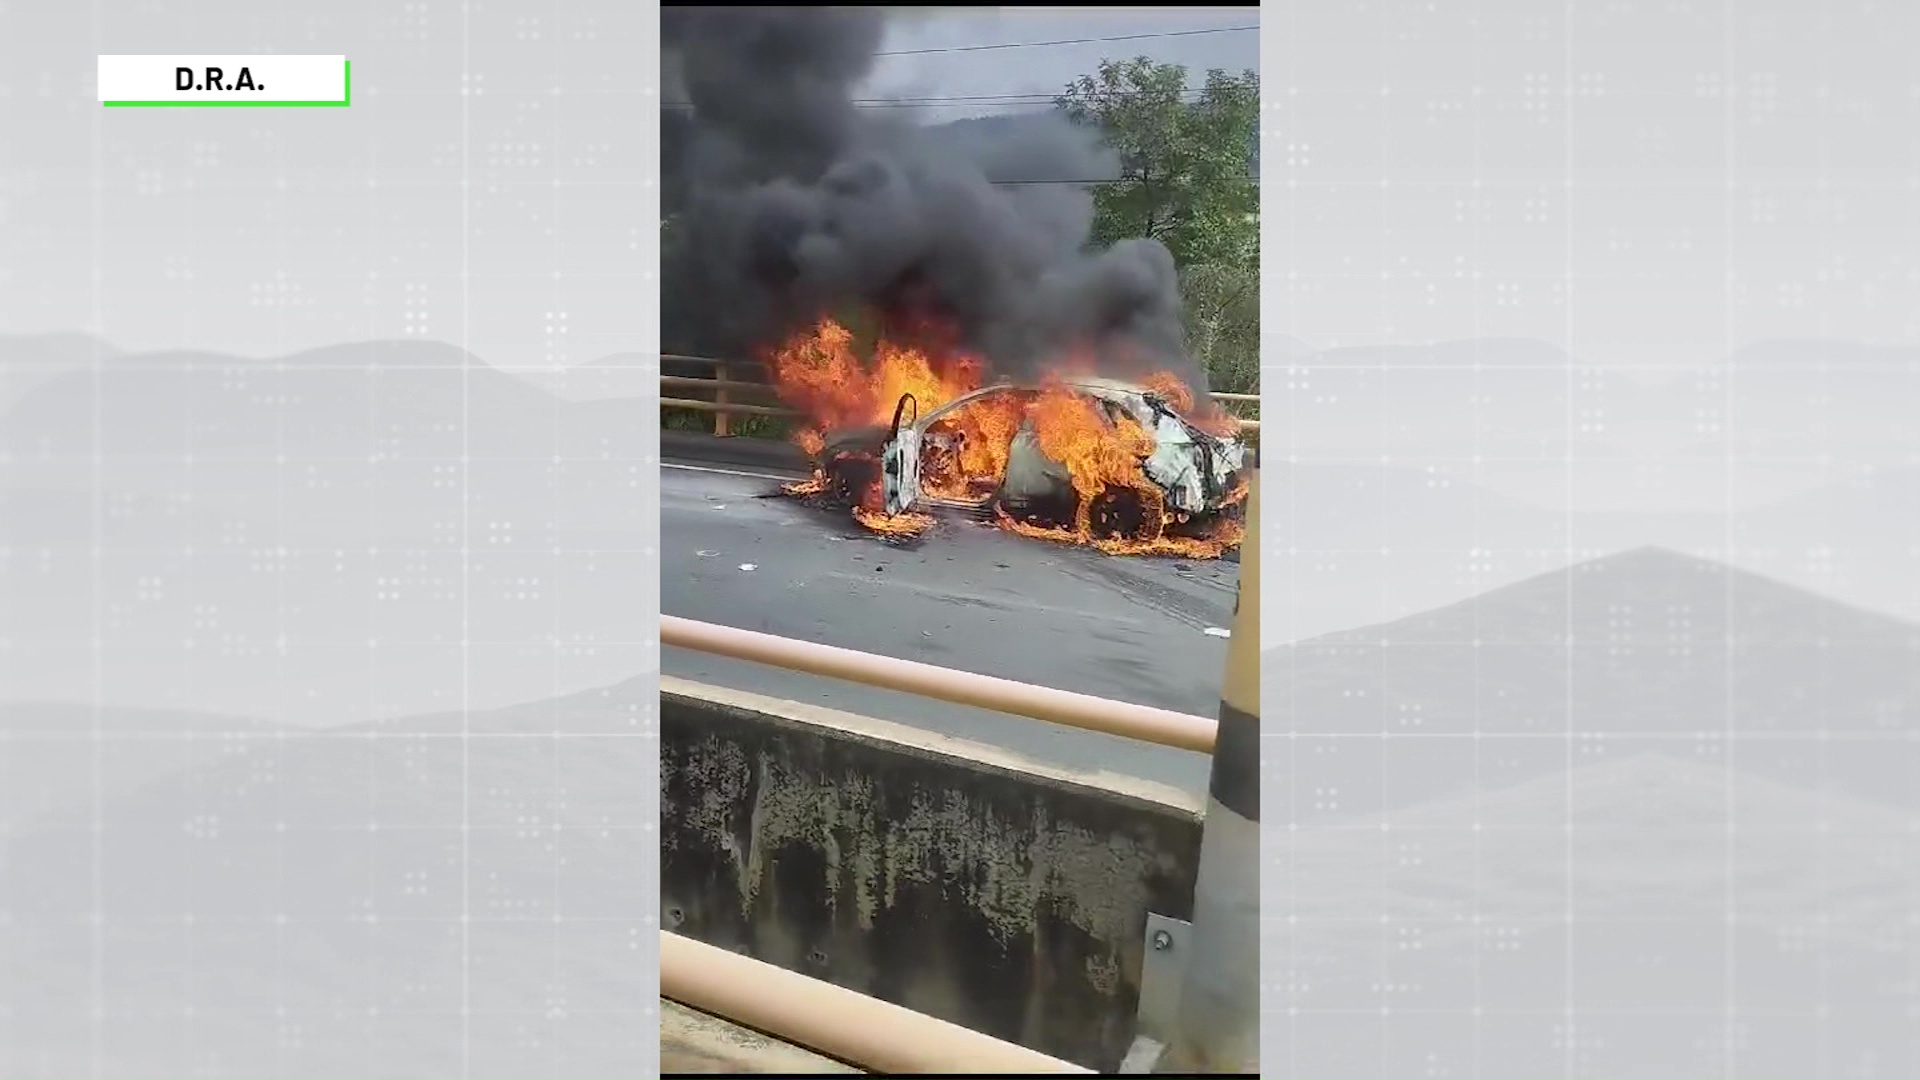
x=1185 y=158
x=1222 y=315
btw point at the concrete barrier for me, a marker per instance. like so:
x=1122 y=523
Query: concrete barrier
x=956 y=879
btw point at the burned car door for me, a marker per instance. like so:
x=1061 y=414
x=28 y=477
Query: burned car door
x=900 y=459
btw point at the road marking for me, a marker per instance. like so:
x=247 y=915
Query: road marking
x=725 y=472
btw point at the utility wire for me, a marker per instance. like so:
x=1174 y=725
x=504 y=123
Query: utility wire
x=1083 y=183
x=1031 y=98
x=954 y=101
x=1190 y=94
x=1067 y=41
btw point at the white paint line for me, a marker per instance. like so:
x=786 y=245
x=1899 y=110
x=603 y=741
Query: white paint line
x=727 y=472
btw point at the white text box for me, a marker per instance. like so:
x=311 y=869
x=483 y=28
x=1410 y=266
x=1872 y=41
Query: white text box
x=226 y=80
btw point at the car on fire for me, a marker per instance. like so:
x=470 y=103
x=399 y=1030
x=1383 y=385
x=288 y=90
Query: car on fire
x=1199 y=475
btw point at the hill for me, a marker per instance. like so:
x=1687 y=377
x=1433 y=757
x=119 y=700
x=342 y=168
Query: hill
x=1646 y=790
x=325 y=876
x=328 y=526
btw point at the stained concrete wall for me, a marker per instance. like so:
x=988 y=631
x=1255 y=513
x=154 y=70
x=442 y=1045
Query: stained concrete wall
x=956 y=879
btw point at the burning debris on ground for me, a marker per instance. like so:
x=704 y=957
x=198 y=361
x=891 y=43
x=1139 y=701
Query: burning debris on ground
x=1018 y=371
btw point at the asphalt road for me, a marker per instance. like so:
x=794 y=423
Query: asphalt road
x=965 y=596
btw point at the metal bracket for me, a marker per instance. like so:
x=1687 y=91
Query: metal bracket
x=1143 y=1057
x=1162 y=970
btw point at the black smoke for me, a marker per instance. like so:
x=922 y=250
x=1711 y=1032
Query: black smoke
x=789 y=200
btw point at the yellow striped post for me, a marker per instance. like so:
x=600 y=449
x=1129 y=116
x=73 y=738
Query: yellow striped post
x=1218 y=1026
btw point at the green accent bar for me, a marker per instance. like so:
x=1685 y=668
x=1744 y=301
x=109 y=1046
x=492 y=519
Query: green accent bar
x=341 y=104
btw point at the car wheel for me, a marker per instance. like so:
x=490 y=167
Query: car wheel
x=1126 y=514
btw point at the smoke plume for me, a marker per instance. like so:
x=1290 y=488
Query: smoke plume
x=789 y=200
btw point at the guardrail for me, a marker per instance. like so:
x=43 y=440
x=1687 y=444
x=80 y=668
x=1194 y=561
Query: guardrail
x=721 y=405
x=832 y=1020
x=723 y=387
x=1143 y=722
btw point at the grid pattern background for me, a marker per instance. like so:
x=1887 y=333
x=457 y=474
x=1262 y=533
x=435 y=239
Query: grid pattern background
x=360 y=398
x=1591 y=696
x=1591 y=539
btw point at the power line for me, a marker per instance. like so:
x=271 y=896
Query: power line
x=1190 y=94
x=1083 y=183
x=1033 y=97
x=1067 y=41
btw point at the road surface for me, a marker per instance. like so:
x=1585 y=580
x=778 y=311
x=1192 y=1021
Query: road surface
x=966 y=596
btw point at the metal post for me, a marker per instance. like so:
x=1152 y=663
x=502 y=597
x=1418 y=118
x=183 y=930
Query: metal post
x=722 y=423
x=1218 y=1026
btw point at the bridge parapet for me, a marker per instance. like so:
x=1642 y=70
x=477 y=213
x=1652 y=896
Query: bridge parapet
x=956 y=879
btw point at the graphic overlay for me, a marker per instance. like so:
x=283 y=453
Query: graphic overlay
x=226 y=82
x=1591 y=674
x=328 y=690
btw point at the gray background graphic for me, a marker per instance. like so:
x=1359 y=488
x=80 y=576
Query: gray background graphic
x=327 y=596
x=1592 y=539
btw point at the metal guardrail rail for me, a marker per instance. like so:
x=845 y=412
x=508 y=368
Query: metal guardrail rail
x=723 y=386
x=832 y=1020
x=1143 y=722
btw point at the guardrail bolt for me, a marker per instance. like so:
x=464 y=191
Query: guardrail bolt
x=1162 y=941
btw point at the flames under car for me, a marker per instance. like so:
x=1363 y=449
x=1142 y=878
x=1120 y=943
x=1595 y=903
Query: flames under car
x=1197 y=475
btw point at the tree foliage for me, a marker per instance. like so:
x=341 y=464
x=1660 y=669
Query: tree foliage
x=1222 y=302
x=1185 y=158
x=1186 y=180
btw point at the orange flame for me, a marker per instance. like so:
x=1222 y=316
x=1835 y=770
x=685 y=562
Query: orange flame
x=965 y=455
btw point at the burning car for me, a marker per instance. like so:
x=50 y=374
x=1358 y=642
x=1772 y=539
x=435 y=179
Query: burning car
x=1085 y=459
x=1070 y=455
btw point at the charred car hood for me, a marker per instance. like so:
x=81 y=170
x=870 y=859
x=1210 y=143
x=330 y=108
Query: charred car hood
x=1195 y=469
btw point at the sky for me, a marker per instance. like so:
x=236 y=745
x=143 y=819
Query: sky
x=917 y=71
